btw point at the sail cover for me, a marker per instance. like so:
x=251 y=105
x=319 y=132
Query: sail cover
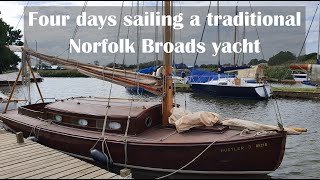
x=125 y=78
x=186 y=120
x=202 y=76
x=315 y=74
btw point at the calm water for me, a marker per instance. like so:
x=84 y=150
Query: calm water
x=302 y=156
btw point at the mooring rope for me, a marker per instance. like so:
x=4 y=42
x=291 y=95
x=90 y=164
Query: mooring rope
x=201 y=153
x=176 y=171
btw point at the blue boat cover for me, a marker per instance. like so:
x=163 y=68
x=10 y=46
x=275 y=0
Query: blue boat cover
x=309 y=83
x=180 y=66
x=202 y=76
x=146 y=70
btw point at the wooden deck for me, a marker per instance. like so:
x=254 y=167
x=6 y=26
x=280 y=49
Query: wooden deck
x=32 y=160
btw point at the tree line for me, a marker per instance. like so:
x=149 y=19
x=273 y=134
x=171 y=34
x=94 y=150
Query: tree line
x=8 y=36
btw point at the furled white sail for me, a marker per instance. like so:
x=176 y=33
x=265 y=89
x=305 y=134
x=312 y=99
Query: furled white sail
x=185 y=120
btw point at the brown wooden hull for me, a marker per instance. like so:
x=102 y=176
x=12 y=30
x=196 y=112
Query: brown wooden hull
x=259 y=155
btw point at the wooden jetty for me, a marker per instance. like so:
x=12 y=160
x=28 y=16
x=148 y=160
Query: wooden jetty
x=25 y=159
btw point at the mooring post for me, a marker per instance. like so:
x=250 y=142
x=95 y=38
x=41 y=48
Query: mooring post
x=20 y=139
x=125 y=173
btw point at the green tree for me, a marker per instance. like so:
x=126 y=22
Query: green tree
x=8 y=36
x=203 y=66
x=283 y=57
x=306 y=57
x=263 y=61
x=254 y=62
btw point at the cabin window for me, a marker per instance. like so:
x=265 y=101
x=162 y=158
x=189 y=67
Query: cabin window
x=148 y=121
x=114 y=125
x=82 y=122
x=57 y=118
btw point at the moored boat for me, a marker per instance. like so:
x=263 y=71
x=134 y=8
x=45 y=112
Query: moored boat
x=234 y=88
x=74 y=126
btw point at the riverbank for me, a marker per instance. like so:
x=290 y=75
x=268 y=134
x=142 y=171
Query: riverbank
x=302 y=93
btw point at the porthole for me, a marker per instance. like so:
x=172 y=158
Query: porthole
x=83 y=122
x=58 y=118
x=114 y=125
x=148 y=121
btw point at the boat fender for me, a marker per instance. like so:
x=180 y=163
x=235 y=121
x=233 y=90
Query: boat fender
x=101 y=158
x=32 y=138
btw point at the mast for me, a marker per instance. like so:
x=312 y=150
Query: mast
x=244 y=36
x=167 y=102
x=219 y=63
x=235 y=38
x=218 y=34
x=318 y=56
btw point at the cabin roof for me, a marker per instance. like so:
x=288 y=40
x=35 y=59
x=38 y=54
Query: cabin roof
x=98 y=107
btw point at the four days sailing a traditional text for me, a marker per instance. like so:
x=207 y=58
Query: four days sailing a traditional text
x=176 y=22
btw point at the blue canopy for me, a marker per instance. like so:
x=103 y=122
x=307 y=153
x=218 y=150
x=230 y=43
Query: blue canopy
x=202 y=76
x=180 y=66
x=146 y=70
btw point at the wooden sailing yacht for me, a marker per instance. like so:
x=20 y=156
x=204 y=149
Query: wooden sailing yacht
x=137 y=135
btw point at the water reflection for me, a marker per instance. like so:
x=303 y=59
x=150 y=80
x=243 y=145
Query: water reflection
x=302 y=156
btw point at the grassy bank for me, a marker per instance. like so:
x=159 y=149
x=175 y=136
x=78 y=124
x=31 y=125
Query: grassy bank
x=312 y=90
x=60 y=73
x=279 y=72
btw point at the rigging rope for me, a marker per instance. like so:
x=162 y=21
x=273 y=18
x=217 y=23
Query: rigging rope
x=156 y=54
x=308 y=32
x=204 y=27
x=257 y=33
x=124 y=54
x=74 y=32
x=173 y=54
x=138 y=51
x=77 y=27
x=219 y=55
x=176 y=171
x=235 y=62
x=113 y=73
x=275 y=102
x=19 y=21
